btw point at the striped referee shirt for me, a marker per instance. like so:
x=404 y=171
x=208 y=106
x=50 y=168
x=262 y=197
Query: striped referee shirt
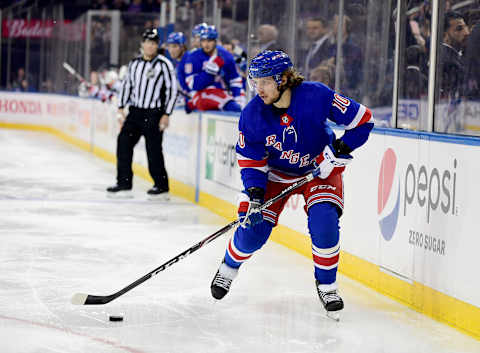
x=149 y=84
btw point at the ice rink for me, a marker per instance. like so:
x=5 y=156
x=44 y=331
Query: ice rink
x=60 y=235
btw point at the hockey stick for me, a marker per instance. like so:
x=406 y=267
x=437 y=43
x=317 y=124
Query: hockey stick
x=72 y=71
x=88 y=299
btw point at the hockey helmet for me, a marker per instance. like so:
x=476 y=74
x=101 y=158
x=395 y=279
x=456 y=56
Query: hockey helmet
x=269 y=63
x=210 y=32
x=111 y=77
x=198 y=28
x=151 y=34
x=176 y=38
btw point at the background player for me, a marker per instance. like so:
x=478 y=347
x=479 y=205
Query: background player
x=178 y=52
x=212 y=76
x=197 y=29
x=284 y=135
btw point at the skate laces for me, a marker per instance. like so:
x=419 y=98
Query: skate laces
x=222 y=281
x=328 y=297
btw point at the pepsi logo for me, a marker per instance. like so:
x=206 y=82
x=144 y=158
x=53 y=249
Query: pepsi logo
x=388 y=195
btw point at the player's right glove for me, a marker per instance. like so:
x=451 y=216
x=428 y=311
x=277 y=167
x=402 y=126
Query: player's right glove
x=249 y=202
x=330 y=161
x=214 y=64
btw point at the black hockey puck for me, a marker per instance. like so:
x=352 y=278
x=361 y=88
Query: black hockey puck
x=115 y=318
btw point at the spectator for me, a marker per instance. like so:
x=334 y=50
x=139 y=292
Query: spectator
x=47 y=86
x=212 y=77
x=473 y=62
x=416 y=82
x=135 y=6
x=452 y=66
x=352 y=59
x=267 y=38
x=17 y=83
x=240 y=57
x=324 y=74
x=318 y=35
x=119 y=5
x=99 y=5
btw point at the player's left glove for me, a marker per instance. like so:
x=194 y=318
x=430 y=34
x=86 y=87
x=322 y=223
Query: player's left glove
x=332 y=160
x=241 y=100
x=249 y=202
x=214 y=64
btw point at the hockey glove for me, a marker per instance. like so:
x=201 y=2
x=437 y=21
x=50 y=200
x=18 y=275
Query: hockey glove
x=249 y=202
x=214 y=65
x=241 y=100
x=331 y=161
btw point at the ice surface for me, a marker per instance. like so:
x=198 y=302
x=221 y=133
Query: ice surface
x=60 y=235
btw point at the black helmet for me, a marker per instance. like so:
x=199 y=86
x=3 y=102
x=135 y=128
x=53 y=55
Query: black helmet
x=151 y=34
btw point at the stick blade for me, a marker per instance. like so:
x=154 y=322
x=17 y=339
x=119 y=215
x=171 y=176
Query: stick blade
x=79 y=299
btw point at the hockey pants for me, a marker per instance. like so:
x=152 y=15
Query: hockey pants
x=324 y=232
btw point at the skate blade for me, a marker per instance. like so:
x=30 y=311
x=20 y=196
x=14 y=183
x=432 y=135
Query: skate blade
x=333 y=315
x=158 y=198
x=120 y=195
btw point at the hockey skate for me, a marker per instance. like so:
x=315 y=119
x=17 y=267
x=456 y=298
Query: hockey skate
x=223 y=280
x=158 y=194
x=331 y=301
x=120 y=191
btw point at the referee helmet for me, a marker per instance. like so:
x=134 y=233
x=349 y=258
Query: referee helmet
x=151 y=34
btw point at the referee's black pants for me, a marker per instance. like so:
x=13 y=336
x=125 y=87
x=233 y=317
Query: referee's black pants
x=137 y=123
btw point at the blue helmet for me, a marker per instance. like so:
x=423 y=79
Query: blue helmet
x=269 y=63
x=209 y=33
x=176 y=38
x=198 y=28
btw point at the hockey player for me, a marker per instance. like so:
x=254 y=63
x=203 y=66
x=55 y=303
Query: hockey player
x=283 y=136
x=178 y=52
x=195 y=40
x=211 y=75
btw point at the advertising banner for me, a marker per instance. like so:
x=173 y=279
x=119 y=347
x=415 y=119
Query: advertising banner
x=221 y=165
x=180 y=146
x=23 y=28
x=409 y=209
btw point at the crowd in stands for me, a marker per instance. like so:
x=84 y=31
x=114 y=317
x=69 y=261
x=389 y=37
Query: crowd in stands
x=315 y=53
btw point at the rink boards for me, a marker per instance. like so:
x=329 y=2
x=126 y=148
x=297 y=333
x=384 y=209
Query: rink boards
x=409 y=228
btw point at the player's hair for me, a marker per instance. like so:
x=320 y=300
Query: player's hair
x=294 y=78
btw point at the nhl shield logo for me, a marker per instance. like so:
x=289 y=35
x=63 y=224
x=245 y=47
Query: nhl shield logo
x=150 y=73
x=285 y=120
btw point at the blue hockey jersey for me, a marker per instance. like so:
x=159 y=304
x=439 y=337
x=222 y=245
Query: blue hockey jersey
x=198 y=79
x=288 y=141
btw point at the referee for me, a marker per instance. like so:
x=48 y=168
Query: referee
x=150 y=91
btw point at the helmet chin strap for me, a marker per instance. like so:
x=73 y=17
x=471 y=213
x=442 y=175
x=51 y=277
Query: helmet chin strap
x=281 y=90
